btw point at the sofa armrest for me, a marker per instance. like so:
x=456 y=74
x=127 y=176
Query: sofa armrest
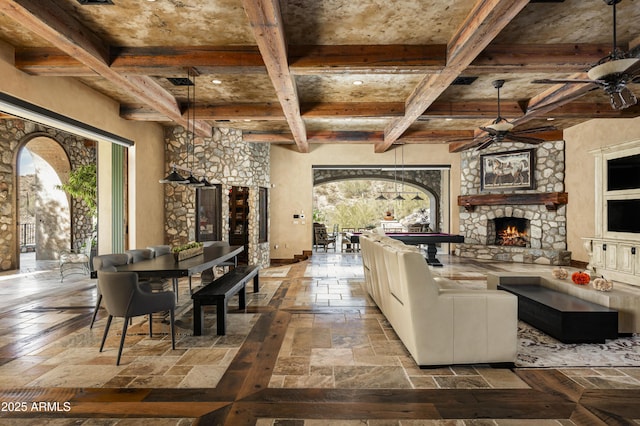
x=485 y=324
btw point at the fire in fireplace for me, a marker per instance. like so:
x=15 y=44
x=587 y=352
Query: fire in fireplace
x=511 y=231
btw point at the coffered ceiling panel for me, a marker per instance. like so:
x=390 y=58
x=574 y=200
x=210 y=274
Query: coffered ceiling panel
x=309 y=71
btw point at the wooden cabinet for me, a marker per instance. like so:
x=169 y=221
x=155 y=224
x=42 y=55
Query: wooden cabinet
x=625 y=258
x=615 y=259
x=239 y=220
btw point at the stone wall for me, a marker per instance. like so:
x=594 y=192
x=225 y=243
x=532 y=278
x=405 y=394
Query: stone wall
x=14 y=134
x=548 y=235
x=224 y=159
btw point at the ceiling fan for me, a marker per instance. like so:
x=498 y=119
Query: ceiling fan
x=613 y=73
x=501 y=129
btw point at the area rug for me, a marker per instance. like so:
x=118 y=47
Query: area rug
x=537 y=349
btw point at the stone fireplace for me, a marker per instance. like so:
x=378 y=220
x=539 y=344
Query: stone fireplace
x=527 y=226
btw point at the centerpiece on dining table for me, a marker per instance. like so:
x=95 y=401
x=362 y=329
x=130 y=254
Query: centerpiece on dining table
x=185 y=251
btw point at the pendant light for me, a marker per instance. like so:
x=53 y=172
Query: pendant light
x=174 y=177
x=192 y=181
x=398 y=196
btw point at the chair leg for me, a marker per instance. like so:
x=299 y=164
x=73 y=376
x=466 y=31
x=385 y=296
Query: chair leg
x=173 y=334
x=124 y=334
x=175 y=287
x=95 y=311
x=106 y=331
x=150 y=325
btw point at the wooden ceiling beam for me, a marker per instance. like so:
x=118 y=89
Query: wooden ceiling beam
x=267 y=25
x=48 y=20
x=365 y=137
x=363 y=59
x=463 y=110
x=483 y=23
x=545 y=58
x=169 y=61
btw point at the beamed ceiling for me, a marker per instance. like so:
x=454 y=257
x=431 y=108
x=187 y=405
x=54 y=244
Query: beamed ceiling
x=286 y=69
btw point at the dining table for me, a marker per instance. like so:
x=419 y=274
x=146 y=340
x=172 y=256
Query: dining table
x=166 y=266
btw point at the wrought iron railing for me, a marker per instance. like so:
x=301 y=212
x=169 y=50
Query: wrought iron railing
x=27 y=234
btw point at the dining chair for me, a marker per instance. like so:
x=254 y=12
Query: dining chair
x=160 y=250
x=137 y=255
x=209 y=275
x=125 y=298
x=106 y=262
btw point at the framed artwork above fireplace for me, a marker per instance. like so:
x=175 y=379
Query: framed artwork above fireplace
x=507 y=170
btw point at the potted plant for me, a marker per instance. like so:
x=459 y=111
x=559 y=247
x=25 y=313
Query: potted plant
x=187 y=250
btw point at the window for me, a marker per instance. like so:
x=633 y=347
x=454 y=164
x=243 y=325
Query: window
x=263 y=215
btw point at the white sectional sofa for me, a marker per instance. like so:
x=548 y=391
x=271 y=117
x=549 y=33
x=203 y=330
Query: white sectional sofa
x=438 y=326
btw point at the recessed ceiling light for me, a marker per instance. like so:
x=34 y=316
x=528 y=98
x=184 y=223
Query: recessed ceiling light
x=448 y=119
x=216 y=81
x=550 y=118
x=357 y=82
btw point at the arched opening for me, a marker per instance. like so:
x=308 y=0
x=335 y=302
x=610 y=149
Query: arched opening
x=371 y=203
x=44 y=211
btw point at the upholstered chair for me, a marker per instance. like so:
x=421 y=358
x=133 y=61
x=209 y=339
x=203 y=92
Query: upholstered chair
x=106 y=262
x=160 y=250
x=209 y=275
x=137 y=255
x=125 y=298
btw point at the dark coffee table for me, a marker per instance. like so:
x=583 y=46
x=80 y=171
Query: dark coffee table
x=562 y=316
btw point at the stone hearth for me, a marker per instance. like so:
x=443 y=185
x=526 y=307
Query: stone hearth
x=547 y=232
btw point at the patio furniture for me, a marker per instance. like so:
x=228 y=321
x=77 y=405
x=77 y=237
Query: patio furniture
x=76 y=262
x=124 y=297
x=322 y=238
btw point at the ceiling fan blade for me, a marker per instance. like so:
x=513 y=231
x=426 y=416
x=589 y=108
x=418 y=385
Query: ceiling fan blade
x=634 y=69
x=523 y=139
x=484 y=145
x=561 y=81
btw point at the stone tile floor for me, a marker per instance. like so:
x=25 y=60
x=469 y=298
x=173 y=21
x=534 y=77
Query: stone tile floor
x=337 y=340
x=336 y=337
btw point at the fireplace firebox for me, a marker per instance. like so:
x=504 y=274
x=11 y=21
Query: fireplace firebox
x=510 y=232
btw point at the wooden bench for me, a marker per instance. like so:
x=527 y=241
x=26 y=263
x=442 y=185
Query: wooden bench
x=217 y=293
x=562 y=316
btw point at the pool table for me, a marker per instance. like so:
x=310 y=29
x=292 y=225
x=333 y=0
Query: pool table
x=430 y=239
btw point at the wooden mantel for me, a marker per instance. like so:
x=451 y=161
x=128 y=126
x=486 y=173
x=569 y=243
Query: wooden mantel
x=551 y=200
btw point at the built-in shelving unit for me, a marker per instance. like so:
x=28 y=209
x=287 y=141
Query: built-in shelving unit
x=239 y=220
x=615 y=249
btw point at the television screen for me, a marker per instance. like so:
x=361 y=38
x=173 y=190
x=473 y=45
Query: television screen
x=623 y=173
x=623 y=216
